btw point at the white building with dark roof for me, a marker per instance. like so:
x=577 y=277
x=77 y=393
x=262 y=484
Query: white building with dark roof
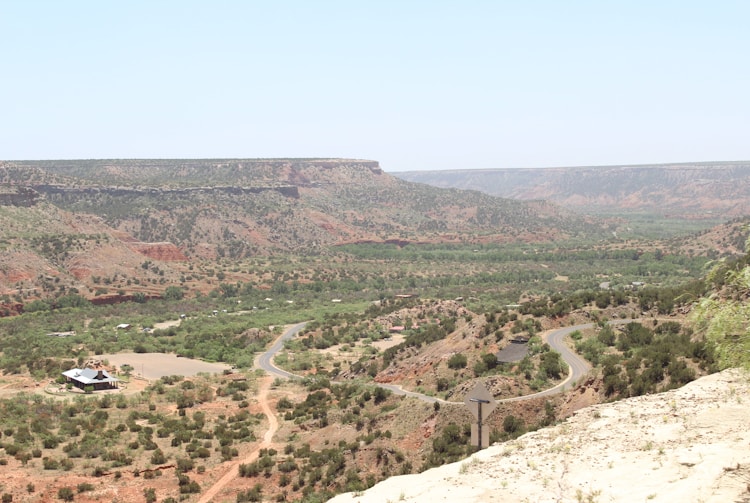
x=99 y=379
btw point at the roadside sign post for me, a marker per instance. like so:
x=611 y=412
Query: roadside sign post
x=481 y=403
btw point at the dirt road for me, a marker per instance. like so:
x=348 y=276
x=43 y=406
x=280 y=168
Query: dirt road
x=233 y=470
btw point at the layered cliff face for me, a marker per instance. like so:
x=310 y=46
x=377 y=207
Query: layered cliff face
x=163 y=252
x=691 y=444
x=688 y=190
x=176 y=173
x=18 y=196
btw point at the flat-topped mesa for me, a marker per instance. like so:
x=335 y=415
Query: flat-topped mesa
x=328 y=163
x=182 y=173
x=244 y=207
x=47 y=189
x=373 y=166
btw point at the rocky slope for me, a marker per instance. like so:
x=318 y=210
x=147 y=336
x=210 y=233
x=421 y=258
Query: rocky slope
x=687 y=190
x=45 y=251
x=241 y=207
x=691 y=444
x=67 y=225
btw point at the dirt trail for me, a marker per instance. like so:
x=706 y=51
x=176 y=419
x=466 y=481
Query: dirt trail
x=233 y=471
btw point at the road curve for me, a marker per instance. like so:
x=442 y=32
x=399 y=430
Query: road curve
x=577 y=366
x=555 y=338
x=265 y=360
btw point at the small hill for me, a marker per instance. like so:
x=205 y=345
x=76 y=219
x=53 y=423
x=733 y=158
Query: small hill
x=685 y=190
x=726 y=239
x=689 y=444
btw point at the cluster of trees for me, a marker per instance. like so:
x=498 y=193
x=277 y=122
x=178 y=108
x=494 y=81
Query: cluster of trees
x=636 y=359
x=232 y=339
x=426 y=334
x=662 y=299
x=451 y=445
x=724 y=316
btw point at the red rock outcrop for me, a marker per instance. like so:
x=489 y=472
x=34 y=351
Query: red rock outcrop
x=166 y=252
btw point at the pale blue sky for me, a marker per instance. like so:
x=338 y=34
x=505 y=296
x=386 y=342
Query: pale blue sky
x=412 y=84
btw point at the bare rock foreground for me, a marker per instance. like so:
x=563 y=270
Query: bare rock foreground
x=687 y=445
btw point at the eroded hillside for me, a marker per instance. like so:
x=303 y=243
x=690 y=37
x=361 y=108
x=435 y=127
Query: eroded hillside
x=115 y=227
x=235 y=208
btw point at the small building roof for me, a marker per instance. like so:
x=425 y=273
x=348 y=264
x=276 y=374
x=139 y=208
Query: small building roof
x=62 y=334
x=89 y=376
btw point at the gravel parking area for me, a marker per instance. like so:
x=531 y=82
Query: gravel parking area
x=513 y=352
x=156 y=365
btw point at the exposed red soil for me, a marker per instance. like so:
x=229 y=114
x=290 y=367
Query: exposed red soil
x=165 y=252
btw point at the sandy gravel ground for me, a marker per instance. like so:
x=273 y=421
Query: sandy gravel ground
x=156 y=365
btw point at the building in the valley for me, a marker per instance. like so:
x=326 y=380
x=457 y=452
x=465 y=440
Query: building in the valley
x=98 y=379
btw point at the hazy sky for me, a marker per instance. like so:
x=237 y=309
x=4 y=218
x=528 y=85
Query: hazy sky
x=413 y=84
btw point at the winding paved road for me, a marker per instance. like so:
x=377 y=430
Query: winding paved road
x=265 y=360
x=578 y=367
x=555 y=338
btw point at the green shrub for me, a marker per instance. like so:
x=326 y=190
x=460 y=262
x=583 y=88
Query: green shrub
x=158 y=457
x=457 y=361
x=85 y=486
x=65 y=494
x=150 y=494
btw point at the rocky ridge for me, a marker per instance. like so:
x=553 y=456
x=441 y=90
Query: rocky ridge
x=681 y=190
x=691 y=444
